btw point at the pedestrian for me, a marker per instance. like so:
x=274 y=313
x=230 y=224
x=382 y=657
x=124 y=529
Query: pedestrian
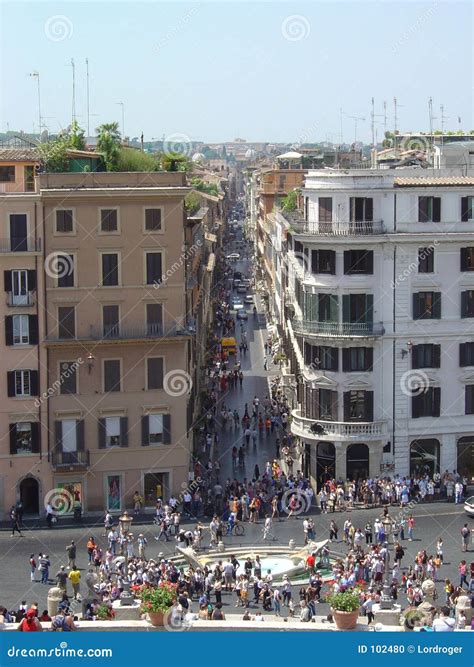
x=465 y=532
x=267 y=527
x=61 y=578
x=265 y=364
x=333 y=530
x=71 y=554
x=49 y=515
x=142 y=542
x=75 y=579
x=32 y=567
x=43 y=566
x=14 y=521
x=368 y=533
x=462 y=569
x=411 y=526
x=91 y=546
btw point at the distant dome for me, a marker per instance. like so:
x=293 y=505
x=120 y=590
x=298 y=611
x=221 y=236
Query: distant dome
x=198 y=157
x=250 y=153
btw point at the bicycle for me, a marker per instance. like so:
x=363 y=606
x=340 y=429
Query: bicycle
x=238 y=529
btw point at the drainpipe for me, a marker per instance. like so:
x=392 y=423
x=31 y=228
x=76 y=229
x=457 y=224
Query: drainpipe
x=38 y=348
x=48 y=414
x=394 y=346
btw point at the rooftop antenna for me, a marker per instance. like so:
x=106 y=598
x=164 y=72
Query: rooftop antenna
x=342 y=134
x=372 y=122
x=73 y=90
x=443 y=118
x=87 y=96
x=384 y=116
x=121 y=104
x=430 y=111
x=36 y=75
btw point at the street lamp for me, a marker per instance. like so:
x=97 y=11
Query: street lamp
x=125 y=521
x=386 y=598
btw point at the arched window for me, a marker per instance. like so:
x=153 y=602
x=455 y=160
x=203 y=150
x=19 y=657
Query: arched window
x=357 y=461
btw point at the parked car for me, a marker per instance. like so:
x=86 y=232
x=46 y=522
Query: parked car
x=241 y=289
x=249 y=299
x=242 y=314
x=234 y=256
x=237 y=303
x=237 y=282
x=468 y=503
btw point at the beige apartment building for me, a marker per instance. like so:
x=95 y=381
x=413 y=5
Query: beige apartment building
x=96 y=349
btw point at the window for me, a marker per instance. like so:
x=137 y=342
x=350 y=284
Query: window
x=68 y=377
x=359 y=406
x=358 y=309
x=64 y=221
x=24 y=438
x=321 y=357
x=113 y=432
x=282 y=182
x=327 y=307
x=7 y=174
x=358 y=261
x=154 y=272
x=426 y=356
x=65 y=270
x=429 y=209
x=154 y=319
x=469 y=399
x=22 y=383
x=112 y=375
x=154 y=372
x=153 y=219
x=323 y=261
x=467 y=259
x=466 y=354
x=111 y=321
x=21 y=330
x=110 y=270
x=325 y=209
x=427 y=306
x=68 y=436
x=108 y=220
x=66 y=322
x=361 y=209
x=467 y=303
x=357 y=359
x=29 y=177
x=467 y=209
x=425 y=402
x=426 y=260
x=320 y=403
x=156 y=429
x=19 y=283
x=18 y=232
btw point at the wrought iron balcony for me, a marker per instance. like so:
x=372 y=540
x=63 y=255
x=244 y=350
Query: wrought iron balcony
x=70 y=460
x=340 y=329
x=117 y=332
x=17 y=244
x=311 y=429
x=19 y=300
x=335 y=228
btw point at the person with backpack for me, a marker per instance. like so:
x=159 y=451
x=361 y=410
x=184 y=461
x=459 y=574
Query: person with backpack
x=63 y=622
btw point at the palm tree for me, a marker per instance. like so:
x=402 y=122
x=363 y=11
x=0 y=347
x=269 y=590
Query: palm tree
x=108 y=143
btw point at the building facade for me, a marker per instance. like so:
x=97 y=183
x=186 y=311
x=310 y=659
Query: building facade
x=379 y=312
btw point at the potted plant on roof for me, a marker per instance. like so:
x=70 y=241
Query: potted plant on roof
x=157 y=601
x=345 y=607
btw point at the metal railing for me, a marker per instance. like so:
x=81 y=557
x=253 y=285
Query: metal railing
x=340 y=228
x=17 y=244
x=70 y=459
x=119 y=332
x=338 y=328
x=326 y=430
x=18 y=300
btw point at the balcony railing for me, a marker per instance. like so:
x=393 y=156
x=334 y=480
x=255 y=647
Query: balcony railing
x=349 y=329
x=18 y=300
x=17 y=244
x=119 y=332
x=329 y=430
x=341 y=228
x=73 y=460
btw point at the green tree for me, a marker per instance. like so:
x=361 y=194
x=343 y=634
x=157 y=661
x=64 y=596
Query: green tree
x=290 y=201
x=175 y=162
x=54 y=155
x=192 y=203
x=108 y=143
x=131 y=159
x=76 y=137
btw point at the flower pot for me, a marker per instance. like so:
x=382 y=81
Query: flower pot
x=345 y=620
x=156 y=618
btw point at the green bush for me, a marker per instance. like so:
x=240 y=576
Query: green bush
x=345 y=601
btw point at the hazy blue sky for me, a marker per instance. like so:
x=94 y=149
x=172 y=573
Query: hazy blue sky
x=210 y=71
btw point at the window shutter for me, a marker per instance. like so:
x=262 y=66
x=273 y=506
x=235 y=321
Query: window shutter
x=307 y=354
x=415 y=406
x=370 y=358
x=469 y=399
x=347 y=406
x=12 y=429
x=352 y=209
x=33 y=329
x=314 y=262
x=422 y=209
x=80 y=440
x=436 y=401
x=9 y=330
x=369 y=309
x=58 y=436
x=436 y=209
x=166 y=429
x=462 y=354
x=31 y=280
x=333 y=307
x=414 y=357
x=332 y=262
x=334 y=405
x=416 y=307
x=347 y=261
x=346 y=308
x=34 y=388
x=369 y=259
x=11 y=389
x=463 y=304
x=7 y=280
x=463 y=259
x=346 y=360
x=145 y=431
x=123 y=431
x=369 y=209
x=464 y=209
x=35 y=438
x=436 y=356
x=101 y=423
x=335 y=359
x=369 y=406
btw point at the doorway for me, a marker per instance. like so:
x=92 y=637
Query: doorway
x=325 y=463
x=156 y=486
x=29 y=495
x=357 y=462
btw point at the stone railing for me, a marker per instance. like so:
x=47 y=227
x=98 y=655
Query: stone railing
x=329 y=430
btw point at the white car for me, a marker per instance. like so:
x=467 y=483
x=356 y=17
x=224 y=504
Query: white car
x=233 y=256
x=249 y=299
x=237 y=304
x=469 y=506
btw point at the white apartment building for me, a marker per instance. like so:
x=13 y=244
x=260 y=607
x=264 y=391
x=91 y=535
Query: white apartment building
x=379 y=317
